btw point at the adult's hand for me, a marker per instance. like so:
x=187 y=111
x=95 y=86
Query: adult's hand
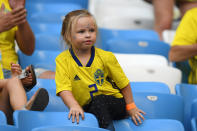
x=10 y=19
x=16 y=3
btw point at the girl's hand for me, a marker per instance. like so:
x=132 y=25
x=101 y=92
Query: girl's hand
x=75 y=112
x=16 y=3
x=136 y=115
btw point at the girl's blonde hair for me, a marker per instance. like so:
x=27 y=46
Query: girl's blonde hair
x=70 y=21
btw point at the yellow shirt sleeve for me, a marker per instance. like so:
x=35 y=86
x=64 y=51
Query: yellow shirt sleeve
x=186 y=33
x=116 y=73
x=62 y=75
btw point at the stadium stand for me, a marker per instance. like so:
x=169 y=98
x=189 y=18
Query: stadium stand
x=160 y=106
x=141 y=59
x=55 y=103
x=149 y=125
x=27 y=120
x=188 y=92
x=149 y=87
x=68 y=128
x=194 y=115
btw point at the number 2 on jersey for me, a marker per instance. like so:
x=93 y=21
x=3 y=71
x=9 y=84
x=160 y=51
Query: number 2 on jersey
x=94 y=91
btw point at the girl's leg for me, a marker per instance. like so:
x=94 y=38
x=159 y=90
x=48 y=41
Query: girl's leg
x=106 y=108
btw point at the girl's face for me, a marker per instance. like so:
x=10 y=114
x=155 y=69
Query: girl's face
x=83 y=35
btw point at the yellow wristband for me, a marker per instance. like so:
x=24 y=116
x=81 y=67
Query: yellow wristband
x=130 y=106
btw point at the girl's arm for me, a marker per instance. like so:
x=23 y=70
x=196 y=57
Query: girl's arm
x=75 y=108
x=132 y=110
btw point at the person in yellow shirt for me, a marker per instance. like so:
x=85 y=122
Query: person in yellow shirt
x=184 y=45
x=13 y=96
x=90 y=79
x=14 y=26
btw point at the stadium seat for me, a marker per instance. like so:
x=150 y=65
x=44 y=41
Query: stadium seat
x=8 y=128
x=83 y=3
x=141 y=59
x=137 y=46
x=27 y=120
x=52 y=42
x=148 y=125
x=55 y=102
x=46 y=28
x=68 y=128
x=40 y=59
x=160 y=106
x=107 y=34
x=188 y=92
x=3 y=119
x=49 y=12
x=149 y=87
x=165 y=74
x=122 y=14
x=194 y=115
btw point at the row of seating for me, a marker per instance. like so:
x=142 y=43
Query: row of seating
x=58 y=121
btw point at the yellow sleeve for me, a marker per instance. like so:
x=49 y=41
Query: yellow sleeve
x=186 y=33
x=62 y=76
x=116 y=73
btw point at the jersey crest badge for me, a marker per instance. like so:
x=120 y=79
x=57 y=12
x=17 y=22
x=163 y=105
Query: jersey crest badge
x=99 y=77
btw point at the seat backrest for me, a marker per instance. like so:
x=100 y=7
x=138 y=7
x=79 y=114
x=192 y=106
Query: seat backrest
x=68 y=128
x=160 y=106
x=48 y=41
x=141 y=59
x=148 y=125
x=168 y=75
x=107 y=34
x=55 y=102
x=152 y=87
x=188 y=92
x=27 y=120
x=194 y=115
x=50 y=12
x=3 y=119
x=39 y=59
x=8 y=128
x=138 y=46
x=46 y=28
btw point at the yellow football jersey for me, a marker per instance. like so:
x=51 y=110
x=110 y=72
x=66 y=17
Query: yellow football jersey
x=186 y=34
x=93 y=79
x=7 y=45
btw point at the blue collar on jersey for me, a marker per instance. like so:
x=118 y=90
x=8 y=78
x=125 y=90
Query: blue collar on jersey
x=78 y=61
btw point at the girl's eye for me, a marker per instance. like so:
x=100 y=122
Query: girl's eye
x=81 y=31
x=92 y=30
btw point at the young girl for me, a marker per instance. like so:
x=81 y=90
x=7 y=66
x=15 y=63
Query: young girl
x=90 y=79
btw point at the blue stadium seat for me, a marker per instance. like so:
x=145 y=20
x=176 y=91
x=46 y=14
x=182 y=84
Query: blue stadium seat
x=48 y=41
x=40 y=59
x=151 y=87
x=27 y=120
x=46 y=28
x=106 y=34
x=148 y=125
x=49 y=12
x=55 y=102
x=160 y=106
x=8 y=128
x=3 y=119
x=83 y=3
x=68 y=128
x=137 y=46
x=194 y=115
x=189 y=93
